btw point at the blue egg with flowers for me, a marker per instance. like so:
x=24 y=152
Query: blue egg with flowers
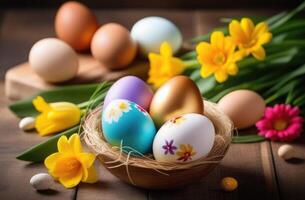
x=126 y=124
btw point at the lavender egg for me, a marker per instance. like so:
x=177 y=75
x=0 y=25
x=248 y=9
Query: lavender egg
x=130 y=88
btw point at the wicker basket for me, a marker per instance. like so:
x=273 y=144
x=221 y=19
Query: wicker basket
x=145 y=172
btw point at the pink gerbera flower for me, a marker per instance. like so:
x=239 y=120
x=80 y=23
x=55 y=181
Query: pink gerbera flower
x=281 y=123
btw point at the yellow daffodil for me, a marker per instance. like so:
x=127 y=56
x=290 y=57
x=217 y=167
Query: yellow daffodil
x=163 y=66
x=70 y=165
x=218 y=57
x=250 y=38
x=55 y=117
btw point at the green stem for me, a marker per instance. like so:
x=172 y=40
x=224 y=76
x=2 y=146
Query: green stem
x=191 y=64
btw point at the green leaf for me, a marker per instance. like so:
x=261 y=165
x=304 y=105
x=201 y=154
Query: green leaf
x=247 y=139
x=288 y=16
x=75 y=94
x=40 y=151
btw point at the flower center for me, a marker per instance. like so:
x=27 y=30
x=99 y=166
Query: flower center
x=280 y=124
x=219 y=58
x=123 y=106
x=251 y=43
x=68 y=166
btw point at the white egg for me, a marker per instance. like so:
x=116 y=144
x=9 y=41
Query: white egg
x=184 y=139
x=27 y=123
x=53 y=60
x=150 y=32
x=42 y=181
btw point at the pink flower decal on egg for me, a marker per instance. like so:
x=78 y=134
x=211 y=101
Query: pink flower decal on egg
x=169 y=147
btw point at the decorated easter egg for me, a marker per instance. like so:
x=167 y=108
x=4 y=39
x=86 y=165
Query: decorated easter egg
x=128 y=124
x=113 y=46
x=176 y=97
x=130 y=88
x=244 y=107
x=53 y=60
x=75 y=24
x=150 y=32
x=184 y=139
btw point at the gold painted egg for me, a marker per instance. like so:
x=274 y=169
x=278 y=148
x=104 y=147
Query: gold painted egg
x=176 y=97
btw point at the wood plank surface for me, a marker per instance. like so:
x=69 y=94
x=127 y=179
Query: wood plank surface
x=291 y=174
x=15 y=175
x=22 y=82
x=260 y=173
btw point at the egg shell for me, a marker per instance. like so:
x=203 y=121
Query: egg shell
x=189 y=131
x=126 y=122
x=287 y=152
x=130 y=88
x=150 y=32
x=178 y=96
x=75 y=24
x=244 y=107
x=42 y=181
x=113 y=46
x=27 y=123
x=53 y=60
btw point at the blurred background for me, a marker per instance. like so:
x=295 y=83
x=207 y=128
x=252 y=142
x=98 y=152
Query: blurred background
x=23 y=22
x=183 y=4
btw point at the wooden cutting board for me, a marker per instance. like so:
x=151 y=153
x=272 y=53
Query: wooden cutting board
x=21 y=81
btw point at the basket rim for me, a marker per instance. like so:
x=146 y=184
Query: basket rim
x=93 y=137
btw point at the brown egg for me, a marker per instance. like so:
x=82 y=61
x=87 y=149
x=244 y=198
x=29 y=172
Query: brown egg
x=76 y=25
x=244 y=107
x=113 y=46
x=176 y=97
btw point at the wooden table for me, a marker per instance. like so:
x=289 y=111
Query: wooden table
x=260 y=172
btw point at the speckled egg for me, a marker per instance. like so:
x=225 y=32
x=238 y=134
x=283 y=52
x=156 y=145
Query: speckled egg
x=130 y=88
x=127 y=123
x=184 y=139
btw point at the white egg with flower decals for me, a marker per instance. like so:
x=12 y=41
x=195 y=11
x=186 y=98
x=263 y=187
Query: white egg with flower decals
x=184 y=139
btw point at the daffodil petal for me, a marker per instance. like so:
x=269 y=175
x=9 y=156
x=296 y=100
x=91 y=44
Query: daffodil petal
x=71 y=181
x=260 y=29
x=236 y=32
x=238 y=55
x=204 y=51
x=203 y=47
x=221 y=76
x=75 y=143
x=265 y=38
x=259 y=53
x=40 y=104
x=92 y=175
x=166 y=50
x=206 y=71
x=64 y=146
x=247 y=26
x=217 y=39
x=51 y=160
x=232 y=69
x=229 y=45
x=87 y=159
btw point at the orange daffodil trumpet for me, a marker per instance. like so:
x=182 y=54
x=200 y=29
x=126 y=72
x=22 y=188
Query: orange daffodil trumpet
x=70 y=165
x=250 y=38
x=218 y=57
x=163 y=66
x=55 y=117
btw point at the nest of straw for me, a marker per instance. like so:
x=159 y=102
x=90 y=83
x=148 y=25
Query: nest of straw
x=144 y=171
